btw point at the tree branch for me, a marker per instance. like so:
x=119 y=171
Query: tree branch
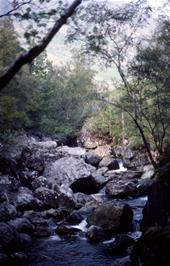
x=10 y=12
x=38 y=49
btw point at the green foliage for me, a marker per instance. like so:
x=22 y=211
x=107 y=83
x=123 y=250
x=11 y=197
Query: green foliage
x=54 y=101
x=9 y=45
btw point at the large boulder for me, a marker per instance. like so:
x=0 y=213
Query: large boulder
x=7 y=211
x=40 y=225
x=47 y=196
x=96 y=234
x=24 y=199
x=153 y=248
x=157 y=209
x=10 y=240
x=109 y=162
x=67 y=170
x=121 y=188
x=125 y=261
x=22 y=225
x=112 y=216
x=92 y=158
x=120 y=244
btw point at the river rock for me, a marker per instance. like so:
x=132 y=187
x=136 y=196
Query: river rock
x=47 y=196
x=10 y=240
x=40 y=181
x=96 y=234
x=41 y=228
x=109 y=162
x=112 y=216
x=27 y=177
x=82 y=199
x=24 y=199
x=22 y=225
x=121 y=188
x=65 y=230
x=92 y=158
x=7 y=211
x=67 y=170
x=9 y=184
x=120 y=245
x=153 y=248
x=125 y=261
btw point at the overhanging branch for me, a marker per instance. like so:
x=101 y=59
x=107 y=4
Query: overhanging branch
x=29 y=56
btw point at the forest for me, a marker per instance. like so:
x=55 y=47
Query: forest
x=84 y=133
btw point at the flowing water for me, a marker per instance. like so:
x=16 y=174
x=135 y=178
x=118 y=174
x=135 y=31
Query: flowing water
x=77 y=251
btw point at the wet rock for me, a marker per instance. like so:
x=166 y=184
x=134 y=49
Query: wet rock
x=27 y=177
x=75 y=218
x=19 y=256
x=47 y=196
x=22 y=225
x=109 y=162
x=67 y=170
x=58 y=214
x=41 y=228
x=92 y=158
x=121 y=189
x=100 y=171
x=135 y=159
x=81 y=199
x=25 y=239
x=122 y=262
x=120 y=245
x=4 y=259
x=112 y=216
x=96 y=234
x=65 y=201
x=65 y=230
x=153 y=248
x=40 y=181
x=9 y=184
x=24 y=199
x=7 y=211
x=144 y=186
x=10 y=240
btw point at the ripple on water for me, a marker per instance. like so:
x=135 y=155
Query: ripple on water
x=66 y=252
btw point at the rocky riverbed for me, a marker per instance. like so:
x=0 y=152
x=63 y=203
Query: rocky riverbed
x=63 y=205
